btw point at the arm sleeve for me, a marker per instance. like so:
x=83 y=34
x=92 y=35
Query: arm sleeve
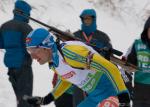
x=104 y=39
x=132 y=56
x=26 y=29
x=1 y=40
x=60 y=88
x=108 y=54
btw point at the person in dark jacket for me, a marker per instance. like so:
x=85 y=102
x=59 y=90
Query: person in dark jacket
x=90 y=34
x=17 y=59
x=140 y=56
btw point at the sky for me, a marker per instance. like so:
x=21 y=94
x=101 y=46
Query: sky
x=122 y=28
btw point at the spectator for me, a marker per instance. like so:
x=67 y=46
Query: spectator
x=90 y=34
x=140 y=56
x=16 y=59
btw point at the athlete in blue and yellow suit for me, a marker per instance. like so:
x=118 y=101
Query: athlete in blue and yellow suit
x=78 y=64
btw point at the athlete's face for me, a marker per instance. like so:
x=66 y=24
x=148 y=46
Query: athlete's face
x=42 y=55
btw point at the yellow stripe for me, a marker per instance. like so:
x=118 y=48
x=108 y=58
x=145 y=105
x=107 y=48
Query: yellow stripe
x=61 y=88
x=79 y=50
x=112 y=72
x=107 y=67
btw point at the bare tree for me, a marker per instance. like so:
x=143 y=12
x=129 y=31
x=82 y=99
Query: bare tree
x=121 y=8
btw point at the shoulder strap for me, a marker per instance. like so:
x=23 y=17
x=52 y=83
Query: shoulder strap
x=59 y=47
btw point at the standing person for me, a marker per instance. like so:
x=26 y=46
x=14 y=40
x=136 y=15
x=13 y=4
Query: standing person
x=78 y=64
x=140 y=56
x=17 y=59
x=91 y=35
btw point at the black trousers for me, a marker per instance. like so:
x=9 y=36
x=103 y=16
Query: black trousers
x=129 y=84
x=141 y=95
x=66 y=100
x=22 y=82
x=78 y=95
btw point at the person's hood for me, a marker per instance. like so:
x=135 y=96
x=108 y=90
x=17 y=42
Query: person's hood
x=90 y=12
x=144 y=34
x=23 y=6
x=92 y=28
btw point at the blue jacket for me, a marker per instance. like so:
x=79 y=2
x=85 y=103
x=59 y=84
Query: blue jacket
x=13 y=34
x=12 y=37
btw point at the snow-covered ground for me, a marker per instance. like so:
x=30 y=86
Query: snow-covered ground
x=123 y=25
x=7 y=97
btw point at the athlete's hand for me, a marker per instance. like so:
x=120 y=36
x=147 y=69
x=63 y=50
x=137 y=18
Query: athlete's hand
x=39 y=100
x=33 y=100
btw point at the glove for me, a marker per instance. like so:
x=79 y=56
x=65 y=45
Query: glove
x=48 y=99
x=39 y=100
x=33 y=100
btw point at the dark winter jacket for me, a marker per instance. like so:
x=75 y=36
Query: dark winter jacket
x=12 y=38
x=144 y=37
x=13 y=34
x=99 y=39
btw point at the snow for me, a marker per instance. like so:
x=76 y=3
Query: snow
x=6 y=92
x=122 y=29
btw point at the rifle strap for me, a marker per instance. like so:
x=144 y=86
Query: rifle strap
x=89 y=59
x=59 y=47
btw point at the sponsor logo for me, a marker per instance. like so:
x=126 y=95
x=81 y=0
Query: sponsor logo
x=83 y=82
x=141 y=46
x=28 y=40
x=90 y=85
x=68 y=75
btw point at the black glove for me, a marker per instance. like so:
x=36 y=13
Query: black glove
x=33 y=100
x=48 y=99
x=124 y=100
x=39 y=100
